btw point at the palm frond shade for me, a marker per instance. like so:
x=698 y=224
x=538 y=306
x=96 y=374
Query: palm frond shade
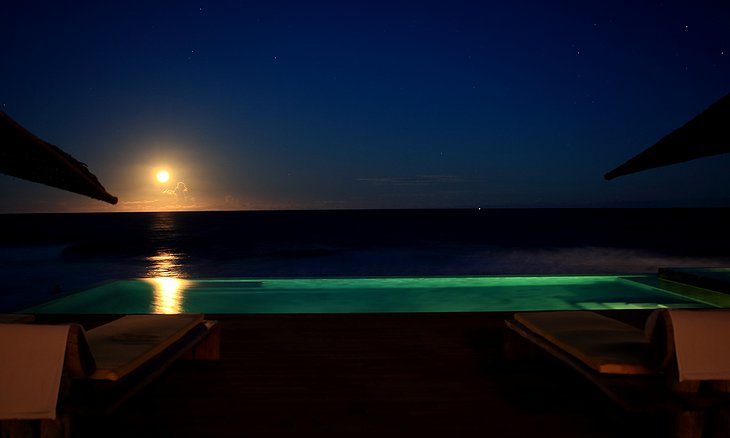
x=23 y=155
x=705 y=135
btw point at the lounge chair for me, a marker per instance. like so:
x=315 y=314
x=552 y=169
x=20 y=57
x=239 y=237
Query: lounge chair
x=640 y=370
x=93 y=372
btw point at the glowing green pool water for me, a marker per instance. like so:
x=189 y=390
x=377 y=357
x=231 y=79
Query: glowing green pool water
x=367 y=295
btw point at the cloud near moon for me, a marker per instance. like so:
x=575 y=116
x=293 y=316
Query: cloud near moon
x=180 y=193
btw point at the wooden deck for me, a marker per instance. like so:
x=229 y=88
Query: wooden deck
x=369 y=375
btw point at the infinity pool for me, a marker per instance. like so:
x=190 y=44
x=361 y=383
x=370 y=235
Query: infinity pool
x=368 y=295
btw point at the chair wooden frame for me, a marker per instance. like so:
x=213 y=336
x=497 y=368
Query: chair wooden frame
x=86 y=392
x=647 y=392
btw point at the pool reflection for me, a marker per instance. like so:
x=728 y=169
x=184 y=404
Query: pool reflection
x=167 y=294
x=167 y=285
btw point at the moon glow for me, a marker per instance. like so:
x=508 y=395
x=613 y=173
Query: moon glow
x=163 y=176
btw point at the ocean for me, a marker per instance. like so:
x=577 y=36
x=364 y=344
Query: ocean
x=42 y=255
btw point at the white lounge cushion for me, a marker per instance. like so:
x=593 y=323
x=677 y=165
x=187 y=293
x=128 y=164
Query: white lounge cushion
x=604 y=344
x=124 y=344
x=31 y=365
x=701 y=344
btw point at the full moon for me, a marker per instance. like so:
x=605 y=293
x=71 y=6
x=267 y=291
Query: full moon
x=163 y=176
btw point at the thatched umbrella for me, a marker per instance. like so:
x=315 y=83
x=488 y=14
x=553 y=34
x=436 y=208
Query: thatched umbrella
x=26 y=156
x=705 y=135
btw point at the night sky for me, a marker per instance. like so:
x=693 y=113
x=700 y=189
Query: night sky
x=365 y=104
